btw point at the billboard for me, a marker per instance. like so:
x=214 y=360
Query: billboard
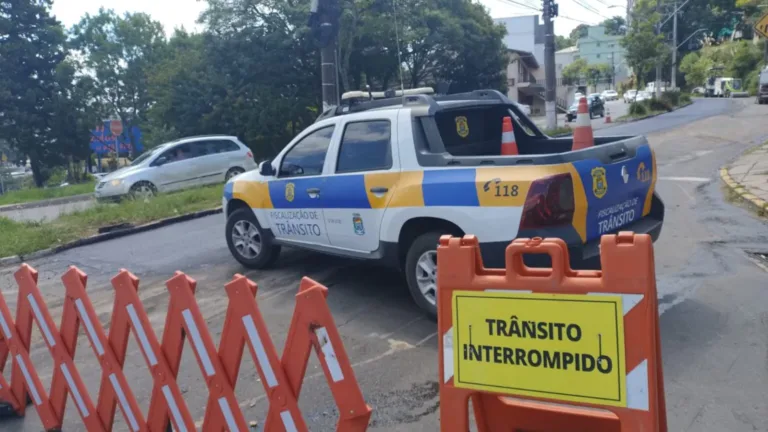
x=103 y=139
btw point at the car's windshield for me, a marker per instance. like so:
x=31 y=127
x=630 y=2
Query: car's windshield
x=146 y=155
x=736 y=84
x=632 y=92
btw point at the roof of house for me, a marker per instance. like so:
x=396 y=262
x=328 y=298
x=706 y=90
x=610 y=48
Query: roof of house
x=528 y=58
x=570 y=49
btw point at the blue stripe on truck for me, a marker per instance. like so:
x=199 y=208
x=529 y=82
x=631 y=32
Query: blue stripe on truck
x=450 y=187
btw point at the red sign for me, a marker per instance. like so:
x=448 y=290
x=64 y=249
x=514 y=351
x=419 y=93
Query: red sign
x=116 y=127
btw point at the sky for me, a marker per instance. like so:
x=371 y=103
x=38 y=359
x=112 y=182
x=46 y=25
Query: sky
x=177 y=13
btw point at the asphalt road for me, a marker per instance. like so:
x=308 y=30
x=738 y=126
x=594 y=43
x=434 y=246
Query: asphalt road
x=712 y=297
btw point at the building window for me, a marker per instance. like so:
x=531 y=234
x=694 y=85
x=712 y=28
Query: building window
x=598 y=44
x=611 y=45
x=511 y=82
x=598 y=56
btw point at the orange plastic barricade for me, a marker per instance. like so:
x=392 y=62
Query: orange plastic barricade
x=550 y=349
x=312 y=326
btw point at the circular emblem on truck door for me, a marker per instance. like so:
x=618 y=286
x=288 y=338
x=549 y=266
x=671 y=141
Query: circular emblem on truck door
x=599 y=182
x=290 y=192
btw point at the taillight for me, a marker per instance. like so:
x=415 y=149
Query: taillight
x=249 y=154
x=549 y=203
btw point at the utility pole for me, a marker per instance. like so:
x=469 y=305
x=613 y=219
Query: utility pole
x=673 y=78
x=324 y=22
x=550 y=11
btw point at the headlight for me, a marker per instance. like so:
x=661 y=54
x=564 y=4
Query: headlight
x=116 y=182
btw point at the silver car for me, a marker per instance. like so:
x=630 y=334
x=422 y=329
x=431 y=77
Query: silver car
x=181 y=164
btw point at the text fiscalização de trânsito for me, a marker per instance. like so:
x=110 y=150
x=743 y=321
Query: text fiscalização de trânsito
x=537 y=358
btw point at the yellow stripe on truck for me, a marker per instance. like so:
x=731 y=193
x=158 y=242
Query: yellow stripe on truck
x=408 y=191
x=255 y=194
x=649 y=195
x=579 y=221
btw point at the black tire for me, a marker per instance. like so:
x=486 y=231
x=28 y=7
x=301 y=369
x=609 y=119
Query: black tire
x=233 y=172
x=268 y=252
x=140 y=188
x=421 y=244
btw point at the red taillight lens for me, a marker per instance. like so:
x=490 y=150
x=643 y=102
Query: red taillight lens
x=249 y=154
x=549 y=203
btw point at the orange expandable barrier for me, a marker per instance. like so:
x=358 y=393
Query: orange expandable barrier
x=312 y=326
x=626 y=282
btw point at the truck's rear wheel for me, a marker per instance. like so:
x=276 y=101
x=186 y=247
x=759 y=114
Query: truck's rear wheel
x=421 y=271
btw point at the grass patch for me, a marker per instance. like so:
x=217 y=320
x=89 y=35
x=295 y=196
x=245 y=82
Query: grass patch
x=24 y=237
x=560 y=130
x=30 y=195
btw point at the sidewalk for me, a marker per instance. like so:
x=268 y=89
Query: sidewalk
x=748 y=177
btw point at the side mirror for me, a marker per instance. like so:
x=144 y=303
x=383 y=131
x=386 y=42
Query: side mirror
x=265 y=168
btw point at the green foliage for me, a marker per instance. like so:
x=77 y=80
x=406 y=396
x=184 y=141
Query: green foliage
x=26 y=237
x=31 y=49
x=671 y=98
x=644 y=48
x=578 y=32
x=659 y=105
x=638 y=109
x=37 y=194
x=685 y=99
x=615 y=26
x=562 y=42
x=751 y=83
x=696 y=68
x=120 y=51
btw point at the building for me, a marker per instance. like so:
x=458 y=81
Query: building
x=597 y=47
x=563 y=58
x=525 y=70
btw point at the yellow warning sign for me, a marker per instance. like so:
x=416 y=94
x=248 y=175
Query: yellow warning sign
x=761 y=26
x=555 y=346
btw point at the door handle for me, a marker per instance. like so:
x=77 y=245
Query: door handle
x=379 y=190
x=313 y=192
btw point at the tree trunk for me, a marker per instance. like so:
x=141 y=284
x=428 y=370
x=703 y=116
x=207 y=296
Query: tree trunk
x=37 y=174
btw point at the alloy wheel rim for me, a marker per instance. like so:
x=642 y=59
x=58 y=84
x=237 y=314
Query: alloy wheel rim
x=246 y=239
x=426 y=276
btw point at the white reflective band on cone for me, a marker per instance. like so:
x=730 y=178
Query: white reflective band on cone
x=582 y=119
x=508 y=137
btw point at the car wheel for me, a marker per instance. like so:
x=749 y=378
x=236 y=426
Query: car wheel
x=143 y=190
x=421 y=271
x=247 y=242
x=233 y=172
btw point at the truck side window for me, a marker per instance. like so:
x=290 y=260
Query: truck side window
x=365 y=146
x=307 y=157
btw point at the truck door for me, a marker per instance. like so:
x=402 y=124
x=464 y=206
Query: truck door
x=362 y=182
x=297 y=192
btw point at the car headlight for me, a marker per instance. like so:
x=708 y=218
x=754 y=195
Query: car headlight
x=116 y=182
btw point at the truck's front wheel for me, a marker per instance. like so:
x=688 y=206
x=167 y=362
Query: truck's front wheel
x=421 y=271
x=247 y=242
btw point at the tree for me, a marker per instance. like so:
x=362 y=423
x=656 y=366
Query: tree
x=562 y=42
x=615 y=26
x=31 y=50
x=696 y=68
x=577 y=33
x=119 y=51
x=644 y=48
x=575 y=70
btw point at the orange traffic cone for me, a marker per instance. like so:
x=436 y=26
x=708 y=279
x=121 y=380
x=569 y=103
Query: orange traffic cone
x=508 y=144
x=583 y=137
x=608 y=115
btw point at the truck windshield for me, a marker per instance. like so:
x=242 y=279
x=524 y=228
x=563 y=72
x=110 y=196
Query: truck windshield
x=736 y=84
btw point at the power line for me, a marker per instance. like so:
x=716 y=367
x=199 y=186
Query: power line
x=589 y=8
x=574 y=19
x=515 y=3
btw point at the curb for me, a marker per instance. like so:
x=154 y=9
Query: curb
x=46 y=203
x=98 y=238
x=754 y=203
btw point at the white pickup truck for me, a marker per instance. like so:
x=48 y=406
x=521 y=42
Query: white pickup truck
x=383 y=180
